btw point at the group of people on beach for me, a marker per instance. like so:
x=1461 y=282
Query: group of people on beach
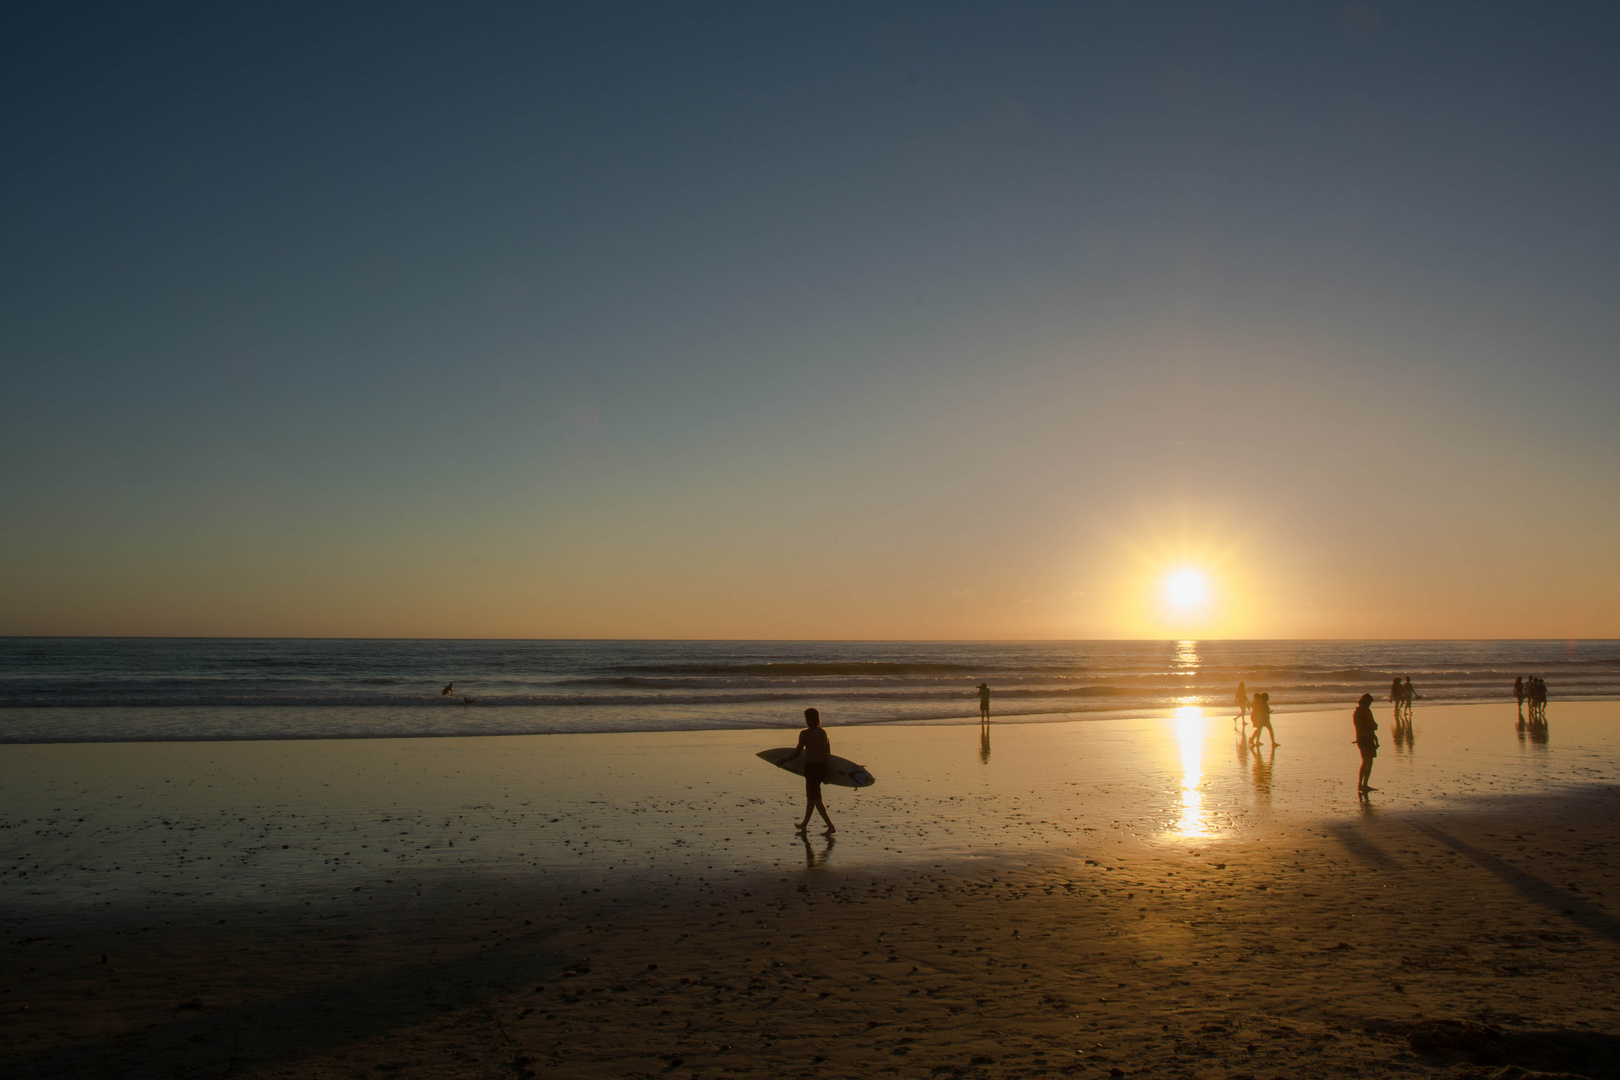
x=1252 y=713
x=1533 y=689
x=1401 y=695
x=1256 y=712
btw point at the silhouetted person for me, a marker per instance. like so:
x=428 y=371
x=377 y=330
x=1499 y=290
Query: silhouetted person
x=984 y=701
x=1408 y=695
x=1260 y=715
x=1241 y=700
x=1366 y=741
x=816 y=749
x=1518 y=691
x=448 y=687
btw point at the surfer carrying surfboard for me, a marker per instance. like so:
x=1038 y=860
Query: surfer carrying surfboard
x=816 y=749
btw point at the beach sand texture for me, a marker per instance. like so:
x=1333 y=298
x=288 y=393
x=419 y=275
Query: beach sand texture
x=1141 y=896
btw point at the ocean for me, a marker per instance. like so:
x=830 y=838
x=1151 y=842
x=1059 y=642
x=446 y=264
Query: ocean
x=121 y=689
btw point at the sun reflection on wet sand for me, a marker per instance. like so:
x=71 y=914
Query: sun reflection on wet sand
x=1189 y=723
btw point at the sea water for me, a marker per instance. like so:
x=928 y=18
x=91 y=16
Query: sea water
x=124 y=689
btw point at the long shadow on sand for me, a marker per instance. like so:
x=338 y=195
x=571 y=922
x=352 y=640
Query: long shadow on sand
x=1358 y=845
x=1545 y=893
x=1586 y=803
x=310 y=1022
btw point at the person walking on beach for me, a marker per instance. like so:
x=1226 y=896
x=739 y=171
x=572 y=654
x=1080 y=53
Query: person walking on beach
x=1241 y=700
x=816 y=749
x=1518 y=691
x=1408 y=695
x=984 y=702
x=1366 y=741
x=1260 y=715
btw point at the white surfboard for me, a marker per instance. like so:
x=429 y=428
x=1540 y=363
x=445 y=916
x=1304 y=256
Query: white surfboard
x=840 y=771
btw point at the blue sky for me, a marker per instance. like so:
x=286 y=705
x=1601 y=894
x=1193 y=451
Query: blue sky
x=846 y=321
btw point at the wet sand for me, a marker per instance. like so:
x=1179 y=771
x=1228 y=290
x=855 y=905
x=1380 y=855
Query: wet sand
x=1136 y=896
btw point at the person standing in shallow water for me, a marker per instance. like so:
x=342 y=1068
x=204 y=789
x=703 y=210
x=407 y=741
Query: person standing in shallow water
x=813 y=744
x=1366 y=741
x=984 y=701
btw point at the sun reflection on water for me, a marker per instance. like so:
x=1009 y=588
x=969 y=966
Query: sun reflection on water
x=1190 y=735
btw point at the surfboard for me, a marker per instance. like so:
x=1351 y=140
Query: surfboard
x=840 y=771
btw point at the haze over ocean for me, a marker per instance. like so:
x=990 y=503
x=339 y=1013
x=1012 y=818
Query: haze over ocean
x=65 y=689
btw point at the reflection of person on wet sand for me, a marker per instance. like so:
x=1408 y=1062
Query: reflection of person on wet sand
x=984 y=701
x=813 y=859
x=815 y=747
x=1366 y=740
x=1241 y=700
x=984 y=743
x=1260 y=714
x=1262 y=772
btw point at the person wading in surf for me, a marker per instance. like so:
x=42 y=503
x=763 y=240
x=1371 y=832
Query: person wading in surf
x=816 y=749
x=984 y=701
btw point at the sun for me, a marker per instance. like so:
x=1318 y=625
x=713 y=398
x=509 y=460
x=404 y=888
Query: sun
x=1185 y=589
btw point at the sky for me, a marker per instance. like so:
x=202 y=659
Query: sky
x=857 y=321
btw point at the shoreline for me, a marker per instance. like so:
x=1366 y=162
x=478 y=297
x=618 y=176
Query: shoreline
x=964 y=720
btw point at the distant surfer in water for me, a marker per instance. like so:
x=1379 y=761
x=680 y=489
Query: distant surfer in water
x=984 y=701
x=449 y=688
x=816 y=749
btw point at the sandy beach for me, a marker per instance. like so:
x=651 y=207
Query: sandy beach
x=1140 y=897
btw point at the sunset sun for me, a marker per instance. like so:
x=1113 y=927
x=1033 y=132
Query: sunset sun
x=1185 y=589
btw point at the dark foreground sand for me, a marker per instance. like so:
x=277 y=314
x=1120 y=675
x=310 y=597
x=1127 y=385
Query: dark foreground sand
x=1311 y=950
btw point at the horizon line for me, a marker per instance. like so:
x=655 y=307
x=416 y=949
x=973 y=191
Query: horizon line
x=722 y=640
